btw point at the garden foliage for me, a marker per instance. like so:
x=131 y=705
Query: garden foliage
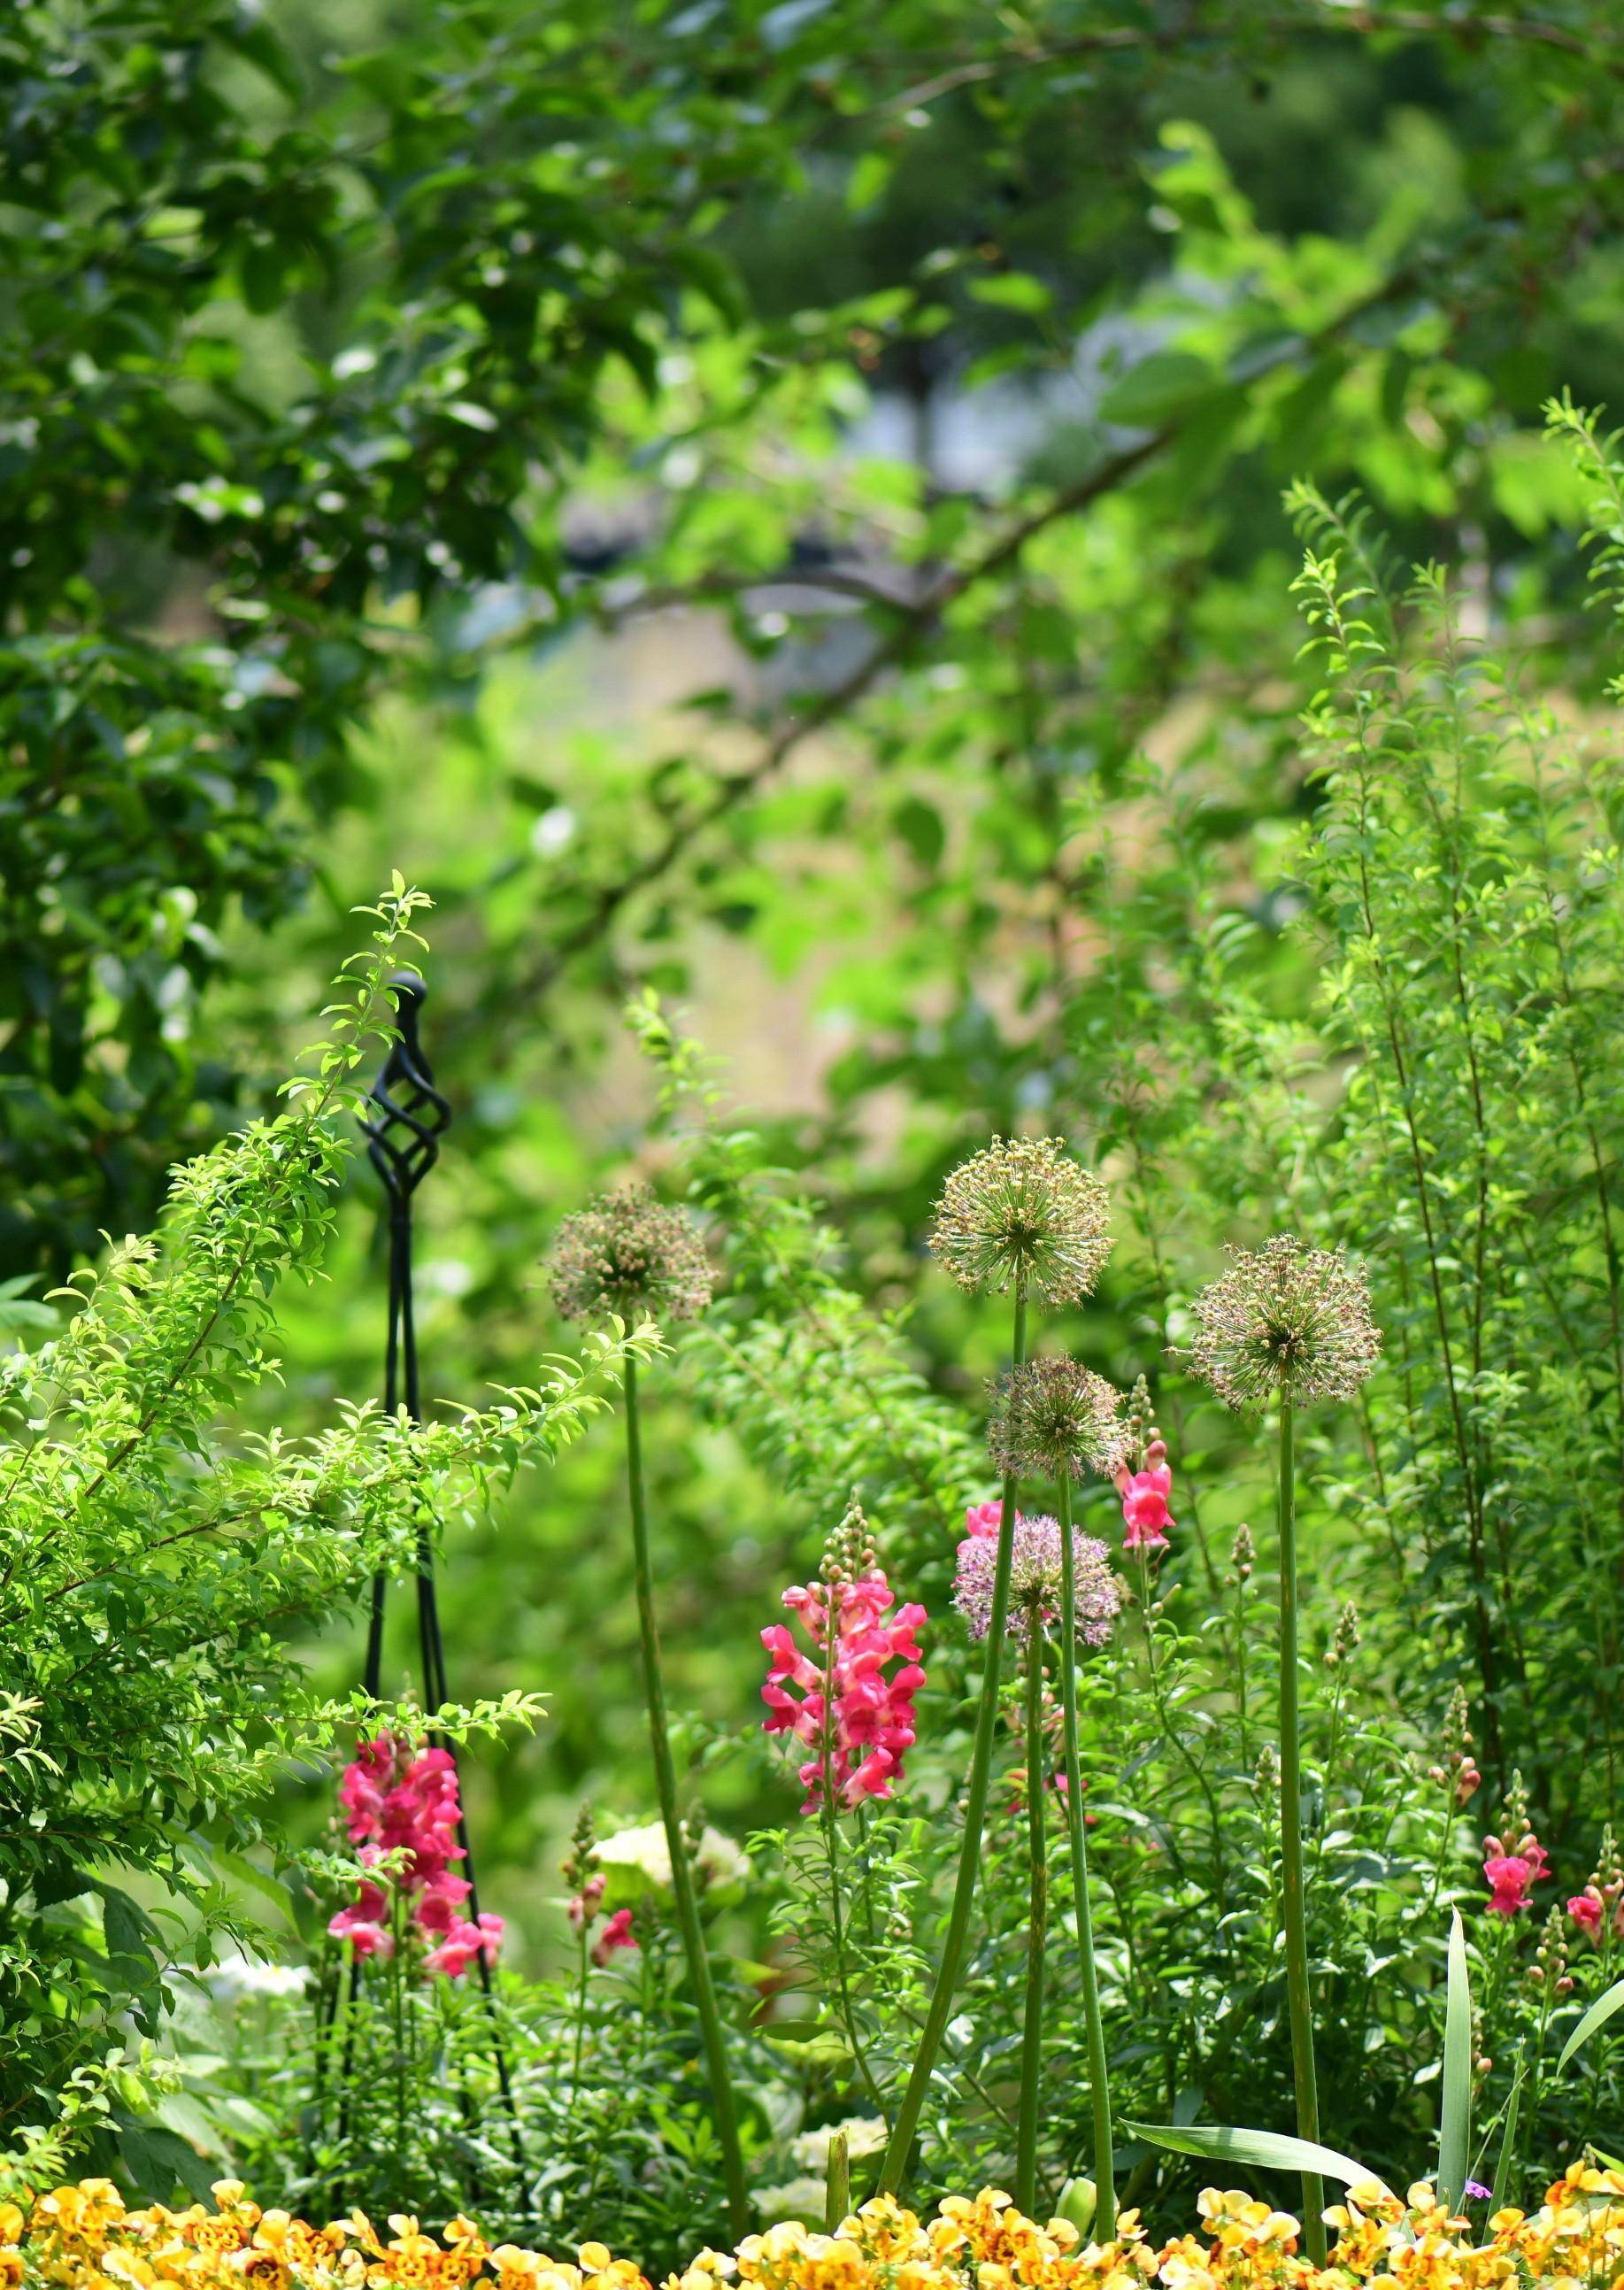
x=354 y=367
x=154 y=1568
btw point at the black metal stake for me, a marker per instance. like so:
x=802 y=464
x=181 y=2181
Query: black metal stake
x=406 y=1119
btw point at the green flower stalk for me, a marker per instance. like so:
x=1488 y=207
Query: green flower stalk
x=1018 y=1216
x=1288 y=1324
x=628 y=1256
x=1037 y=1925
x=1054 y=1419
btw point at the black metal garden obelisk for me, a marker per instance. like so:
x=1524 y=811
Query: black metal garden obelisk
x=405 y=1120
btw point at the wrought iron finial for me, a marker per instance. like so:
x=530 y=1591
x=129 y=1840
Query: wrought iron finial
x=404 y=1118
x=403 y=1133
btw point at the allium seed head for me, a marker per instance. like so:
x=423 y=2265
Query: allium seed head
x=1285 y=1319
x=1052 y=1418
x=1023 y=1214
x=628 y=1253
x=1034 y=1582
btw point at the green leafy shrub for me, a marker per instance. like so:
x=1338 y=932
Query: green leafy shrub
x=151 y=1569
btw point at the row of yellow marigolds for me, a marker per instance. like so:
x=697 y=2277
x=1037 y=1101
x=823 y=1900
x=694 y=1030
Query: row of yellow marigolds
x=83 y=2237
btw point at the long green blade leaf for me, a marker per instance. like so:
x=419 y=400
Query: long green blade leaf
x=1597 y=2016
x=1455 y=2117
x=1264 y=2150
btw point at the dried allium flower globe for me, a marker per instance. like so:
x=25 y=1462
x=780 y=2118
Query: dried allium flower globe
x=1052 y=1418
x=1023 y=1214
x=1036 y=1584
x=1285 y=1319
x=626 y=1254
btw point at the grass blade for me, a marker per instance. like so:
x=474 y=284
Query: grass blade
x=1455 y=2116
x=1597 y=2016
x=1263 y=2150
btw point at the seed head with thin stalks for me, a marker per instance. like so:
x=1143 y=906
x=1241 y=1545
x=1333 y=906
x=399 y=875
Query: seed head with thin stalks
x=1285 y=1320
x=851 y=1552
x=1036 y=1584
x=1052 y=1419
x=1023 y=1214
x=1345 y=1638
x=628 y=1253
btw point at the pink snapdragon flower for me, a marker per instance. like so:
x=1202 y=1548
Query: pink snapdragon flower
x=983 y=1519
x=585 y=1904
x=617 y=1934
x=463 y=1943
x=1144 y=1494
x=839 y=1699
x=403 y=1801
x=1587 y=1911
x=1511 y=1877
x=364 y=1934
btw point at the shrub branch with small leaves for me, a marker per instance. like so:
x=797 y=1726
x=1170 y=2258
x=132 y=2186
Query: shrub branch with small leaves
x=150 y=1572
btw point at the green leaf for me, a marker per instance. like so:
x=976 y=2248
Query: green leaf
x=1455 y=2112
x=125 y=1926
x=1011 y=289
x=868 y=181
x=1262 y=2151
x=919 y=824
x=1159 y=386
x=1605 y=2005
x=825 y=2051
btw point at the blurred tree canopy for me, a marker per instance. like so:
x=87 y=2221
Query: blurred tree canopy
x=378 y=350
x=780 y=504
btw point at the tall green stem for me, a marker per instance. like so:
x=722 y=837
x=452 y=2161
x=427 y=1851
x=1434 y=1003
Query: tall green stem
x=682 y=1875
x=902 y=2130
x=1294 y=1917
x=1037 y=1927
x=1093 y=2020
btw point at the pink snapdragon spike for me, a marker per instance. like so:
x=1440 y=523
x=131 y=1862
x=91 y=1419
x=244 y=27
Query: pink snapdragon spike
x=1144 y=1494
x=402 y=1800
x=1586 y=1909
x=617 y=1934
x=839 y=1699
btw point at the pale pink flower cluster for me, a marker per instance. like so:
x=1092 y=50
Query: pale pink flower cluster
x=839 y=1698
x=1145 y=1494
x=402 y=1802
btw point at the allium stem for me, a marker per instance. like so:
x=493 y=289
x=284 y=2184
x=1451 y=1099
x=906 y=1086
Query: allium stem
x=1037 y=1927
x=1093 y=2019
x=665 y=1787
x=902 y=2131
x=1299 y=1999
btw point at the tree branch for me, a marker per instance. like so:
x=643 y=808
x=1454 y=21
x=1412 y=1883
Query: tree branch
x=914 y=620
x=1414 y=23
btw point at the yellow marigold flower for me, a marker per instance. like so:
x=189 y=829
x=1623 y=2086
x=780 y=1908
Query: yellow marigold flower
x=11 y=2268
x=123 y=2266
x=515 y=2268
x=593 y=2257
x=704 y=2271
x=1185 y=2266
